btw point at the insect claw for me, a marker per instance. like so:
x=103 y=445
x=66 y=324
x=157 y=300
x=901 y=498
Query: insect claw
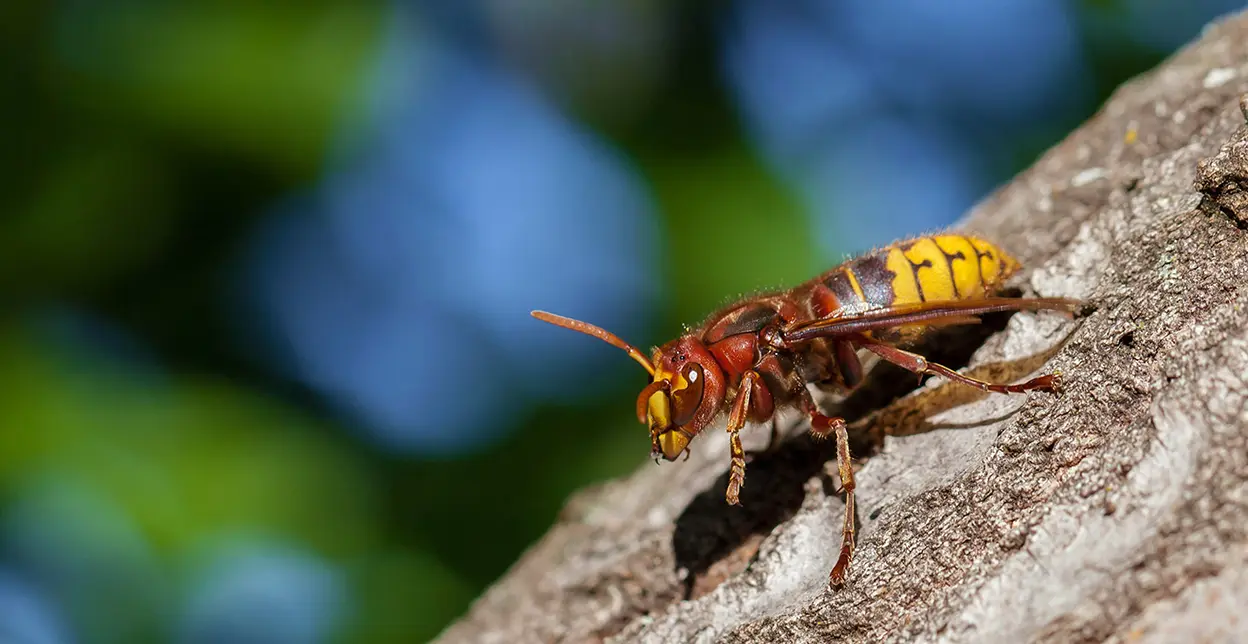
x=1051 y=383
x=840 y=571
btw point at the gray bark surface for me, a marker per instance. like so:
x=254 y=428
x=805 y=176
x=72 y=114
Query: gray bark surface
x=1116 y=510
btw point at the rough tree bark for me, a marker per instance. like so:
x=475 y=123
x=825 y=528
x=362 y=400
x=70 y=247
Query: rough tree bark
x=1116 y=510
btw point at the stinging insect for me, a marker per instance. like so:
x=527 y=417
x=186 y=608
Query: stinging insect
x=758 y=355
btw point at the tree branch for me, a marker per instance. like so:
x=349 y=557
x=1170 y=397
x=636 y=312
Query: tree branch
x=1114 y=510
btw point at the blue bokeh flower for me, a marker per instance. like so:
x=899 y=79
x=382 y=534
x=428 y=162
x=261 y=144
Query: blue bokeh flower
x=400 y=288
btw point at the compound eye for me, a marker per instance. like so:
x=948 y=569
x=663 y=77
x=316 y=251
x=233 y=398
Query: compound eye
x=688 y=400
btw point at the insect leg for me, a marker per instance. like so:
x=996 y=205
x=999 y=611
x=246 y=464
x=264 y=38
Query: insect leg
x=846 y=470
x=918 y=364
x=820 y=427
x=736 y=420
x=847 y=362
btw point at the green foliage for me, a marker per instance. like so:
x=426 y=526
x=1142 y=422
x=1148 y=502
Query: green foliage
x=119 y=112
x=180 y=461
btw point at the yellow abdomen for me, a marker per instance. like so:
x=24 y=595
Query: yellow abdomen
x=946 y=267
x=936 y=268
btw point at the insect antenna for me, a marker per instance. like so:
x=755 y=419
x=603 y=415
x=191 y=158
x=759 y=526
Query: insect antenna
x=597 y=332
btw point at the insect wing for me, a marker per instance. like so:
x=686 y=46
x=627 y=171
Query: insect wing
x=927 y=313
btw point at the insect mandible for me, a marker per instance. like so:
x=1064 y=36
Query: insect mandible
x=758 y=355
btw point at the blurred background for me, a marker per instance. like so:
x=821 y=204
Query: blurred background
x=266 y=369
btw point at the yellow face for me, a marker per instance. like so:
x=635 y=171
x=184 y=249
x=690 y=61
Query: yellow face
x=673 y=443
x=672 y=407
